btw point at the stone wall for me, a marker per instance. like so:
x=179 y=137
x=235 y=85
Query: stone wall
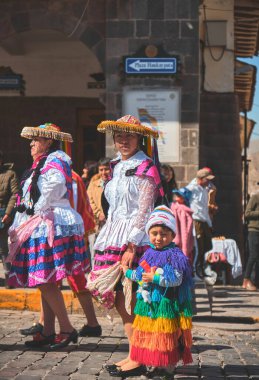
x=173 y=24
x=220 y=150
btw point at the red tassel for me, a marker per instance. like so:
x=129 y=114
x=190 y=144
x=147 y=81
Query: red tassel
x=154 y=358
x=186 y=356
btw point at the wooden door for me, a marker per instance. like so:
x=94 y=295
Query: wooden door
x=90 y=144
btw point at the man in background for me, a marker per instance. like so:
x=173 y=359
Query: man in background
x=202 y=222
x=8 y=190
x=94 y=191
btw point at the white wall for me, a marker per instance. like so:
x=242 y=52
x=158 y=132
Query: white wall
x=219 y=76
x=51 y=64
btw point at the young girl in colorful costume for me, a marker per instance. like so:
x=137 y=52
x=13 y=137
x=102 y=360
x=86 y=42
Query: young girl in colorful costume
x=163 y=313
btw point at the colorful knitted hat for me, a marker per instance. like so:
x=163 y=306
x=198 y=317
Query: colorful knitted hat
x=128 y=124
x=163 y=216
x=48 y=131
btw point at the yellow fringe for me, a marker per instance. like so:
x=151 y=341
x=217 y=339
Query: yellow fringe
x=111 y=125
x=162 y=325
x=185 y=323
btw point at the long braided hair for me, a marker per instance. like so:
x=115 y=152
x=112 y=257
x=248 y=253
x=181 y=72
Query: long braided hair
x=33 y=189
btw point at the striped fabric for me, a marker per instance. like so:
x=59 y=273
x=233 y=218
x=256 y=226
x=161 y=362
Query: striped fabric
x=37 y=263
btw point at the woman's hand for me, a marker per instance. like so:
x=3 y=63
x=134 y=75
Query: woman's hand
x=129 y=255
x=128 y=258
x=6 y=219
x=124 y=268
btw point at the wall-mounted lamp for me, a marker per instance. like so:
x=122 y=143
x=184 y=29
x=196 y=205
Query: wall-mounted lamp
x=215 y=33
x=189 y=25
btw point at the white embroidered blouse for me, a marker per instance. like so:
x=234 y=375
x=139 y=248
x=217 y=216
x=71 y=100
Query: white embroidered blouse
x=131 y=200
x=52 y=186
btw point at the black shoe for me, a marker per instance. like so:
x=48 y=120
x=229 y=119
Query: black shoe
x=40 y=340
x=60 y=342
x=199 y=271
x=34 y=329
x=90 y=331
x=160 y=372
x=111 y=367
x=141 y=370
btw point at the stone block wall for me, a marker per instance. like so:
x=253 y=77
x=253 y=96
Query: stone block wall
x=221 y=151
x=130 y=25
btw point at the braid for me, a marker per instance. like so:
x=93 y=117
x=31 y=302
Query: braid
x=34 y=189
x=35 y=192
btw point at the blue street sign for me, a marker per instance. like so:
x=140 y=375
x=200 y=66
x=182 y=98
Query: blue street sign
x=151 y=65
x=13 y=82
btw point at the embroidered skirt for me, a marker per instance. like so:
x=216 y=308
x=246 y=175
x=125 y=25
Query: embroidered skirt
x=37 y=263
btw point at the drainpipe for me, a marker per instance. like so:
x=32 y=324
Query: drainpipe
x=245 y=162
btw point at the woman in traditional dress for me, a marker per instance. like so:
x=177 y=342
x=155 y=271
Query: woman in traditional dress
x=47 y=235
x=131 y=194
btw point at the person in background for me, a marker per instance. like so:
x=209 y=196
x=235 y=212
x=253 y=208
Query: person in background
x=202 y=222
x=89 y=170
x=212 y=191
x=184 y=222
x=252 y=217
x=8 y=190
x=94 y=191
x=170 y=182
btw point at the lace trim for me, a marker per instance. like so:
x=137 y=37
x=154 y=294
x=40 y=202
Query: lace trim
x=60 y=230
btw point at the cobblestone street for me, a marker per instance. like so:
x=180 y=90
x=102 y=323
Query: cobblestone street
x=218 y=353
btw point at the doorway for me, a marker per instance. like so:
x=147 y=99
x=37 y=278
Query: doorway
x=90 y=144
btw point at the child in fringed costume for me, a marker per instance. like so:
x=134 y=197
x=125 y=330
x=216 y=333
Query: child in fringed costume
x=163 y=313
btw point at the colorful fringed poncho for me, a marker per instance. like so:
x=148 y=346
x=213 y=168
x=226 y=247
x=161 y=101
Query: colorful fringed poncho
x=163 y=312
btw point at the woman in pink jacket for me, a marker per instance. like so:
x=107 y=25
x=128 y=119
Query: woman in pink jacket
x=184 y=223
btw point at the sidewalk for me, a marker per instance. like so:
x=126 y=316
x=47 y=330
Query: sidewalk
x=226 y=307
x=223 y=306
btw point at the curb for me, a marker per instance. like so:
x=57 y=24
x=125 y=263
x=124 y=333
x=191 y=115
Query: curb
x=226 y=319
x=29 y=299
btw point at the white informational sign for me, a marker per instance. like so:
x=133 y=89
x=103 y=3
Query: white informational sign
x=160 y=109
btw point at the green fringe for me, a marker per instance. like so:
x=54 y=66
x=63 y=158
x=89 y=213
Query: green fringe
x=163 y=309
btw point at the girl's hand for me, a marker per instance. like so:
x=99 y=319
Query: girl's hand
x=147 y=277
